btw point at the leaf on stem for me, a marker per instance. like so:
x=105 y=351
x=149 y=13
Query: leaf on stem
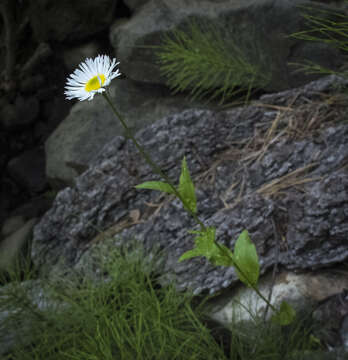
x=246 y=259
x=285 y=315
x=156 y=185
x=206 y=246
x=187 y=188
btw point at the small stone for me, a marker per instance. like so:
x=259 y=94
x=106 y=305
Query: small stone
x=11 y=225
x=67 y=20
x=13 y=247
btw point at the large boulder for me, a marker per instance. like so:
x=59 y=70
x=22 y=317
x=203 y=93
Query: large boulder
x=302 y=290
x=91 y=125
x=134 y=4
x=276 y=168
x=260 y=28
x=67 y=20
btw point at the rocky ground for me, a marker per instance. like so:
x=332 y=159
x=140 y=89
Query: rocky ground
x=277 y=166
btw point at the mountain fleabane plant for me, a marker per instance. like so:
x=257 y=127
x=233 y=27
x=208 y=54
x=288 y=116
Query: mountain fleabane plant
x=91 y=78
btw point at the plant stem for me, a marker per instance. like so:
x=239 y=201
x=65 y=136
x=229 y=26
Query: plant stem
x=159 y=171
x=153 y=165
x=254 y=287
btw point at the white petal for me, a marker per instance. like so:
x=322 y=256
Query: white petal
x=76 y=82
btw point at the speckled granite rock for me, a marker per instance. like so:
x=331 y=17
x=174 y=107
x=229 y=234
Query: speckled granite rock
x=291 y=194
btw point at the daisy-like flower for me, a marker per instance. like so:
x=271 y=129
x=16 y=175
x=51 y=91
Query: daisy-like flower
x=91 y=78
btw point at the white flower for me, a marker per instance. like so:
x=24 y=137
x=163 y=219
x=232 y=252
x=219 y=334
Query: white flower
x=91 y=77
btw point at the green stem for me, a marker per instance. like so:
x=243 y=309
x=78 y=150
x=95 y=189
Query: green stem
x=159 y=171
x=261 y=296
x=153 y=165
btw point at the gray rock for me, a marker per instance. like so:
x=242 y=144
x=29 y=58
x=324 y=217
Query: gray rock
x=302 y=291
x=326 y=84
x=259 y=27
x=331 y=314
x=20 y=114
x=69 y=20
x=54 y=110
x=14 y=249
x=302 y=224
x=35 y=207
x=74 y=56
x=344 y=332
x=27 y=109
x=12 y=224
x=90 y=125
x=135 y=4
x=28 y=170
x=9 y=194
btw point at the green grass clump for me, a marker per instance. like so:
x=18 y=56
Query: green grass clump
x=131 y=316
x=272 y=342
x=328 y=27
x=199 y=60
x=128 y=317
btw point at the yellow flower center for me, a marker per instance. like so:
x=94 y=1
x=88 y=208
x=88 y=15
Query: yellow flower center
x=94 y=83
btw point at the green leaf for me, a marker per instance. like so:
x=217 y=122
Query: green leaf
x=245 y=257
x=187 y=188
x=190 y=254
x=204 y=241
x=314 y=341
x=207 y=247
x=285 y=315
x=156 y=185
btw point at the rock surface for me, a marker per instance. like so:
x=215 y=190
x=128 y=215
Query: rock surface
x=14 y=249
x=135 y=4
x=332 y=313
x=76 y=54
x=302 y=291
x=260 y=28
x=67 y=20
x=11 y=225
x=254 y=168
x=20 y=115
x=28 y=170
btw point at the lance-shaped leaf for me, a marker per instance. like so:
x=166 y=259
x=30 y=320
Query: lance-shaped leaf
x=156 y=185
x=187 y=188
x=285 y=315
x=245 y=257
